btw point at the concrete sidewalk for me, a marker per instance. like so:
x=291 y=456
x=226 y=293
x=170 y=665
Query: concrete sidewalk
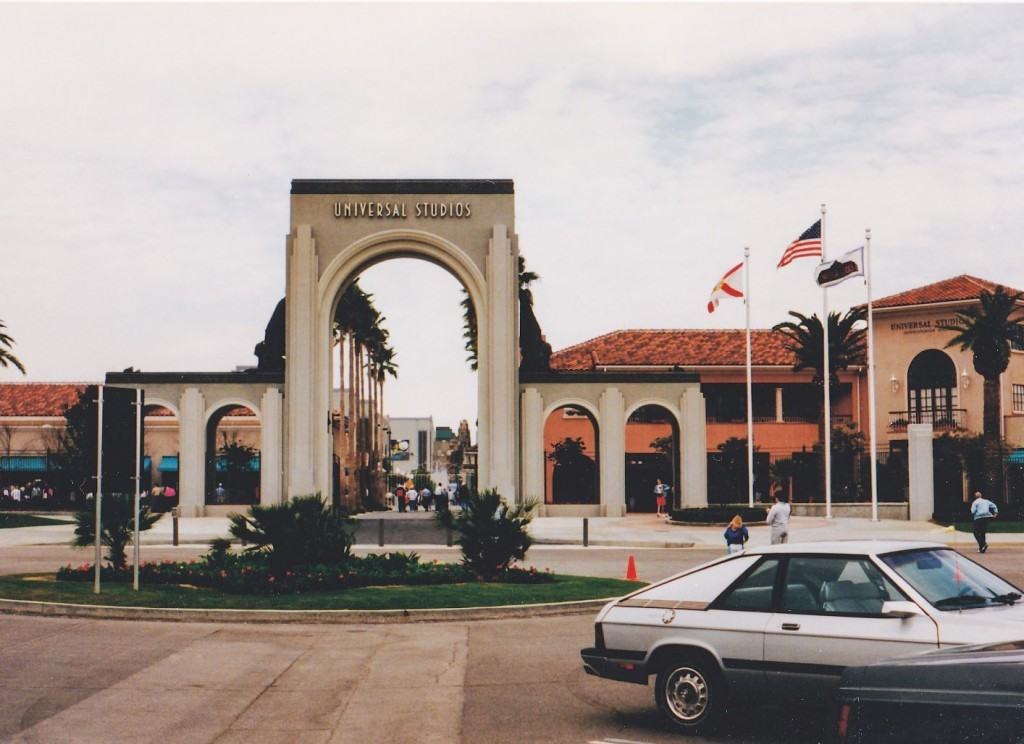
x=635 y=530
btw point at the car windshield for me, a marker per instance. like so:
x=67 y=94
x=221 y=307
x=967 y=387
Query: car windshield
x=949 y=580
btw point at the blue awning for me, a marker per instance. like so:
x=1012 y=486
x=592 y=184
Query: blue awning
x=147 y=463
x=1016 y=457
x=253 y=464
x=168 y=464
x=23 y=463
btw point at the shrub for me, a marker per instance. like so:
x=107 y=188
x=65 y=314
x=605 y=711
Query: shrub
x=492 y=534
x=303 y=531
x=719 y=514
x=250 y=573
x=118 y=516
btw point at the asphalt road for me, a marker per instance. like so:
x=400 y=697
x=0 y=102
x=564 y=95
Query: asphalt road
x=493 y=682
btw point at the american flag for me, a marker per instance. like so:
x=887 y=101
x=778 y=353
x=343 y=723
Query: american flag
x=808 y=244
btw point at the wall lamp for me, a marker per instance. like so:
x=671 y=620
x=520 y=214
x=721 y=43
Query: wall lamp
x=894 y=384
x=965 y=379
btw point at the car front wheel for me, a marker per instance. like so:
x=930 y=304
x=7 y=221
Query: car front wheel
x=690 y=693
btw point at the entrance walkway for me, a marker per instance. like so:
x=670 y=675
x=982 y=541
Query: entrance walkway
x=635 y=530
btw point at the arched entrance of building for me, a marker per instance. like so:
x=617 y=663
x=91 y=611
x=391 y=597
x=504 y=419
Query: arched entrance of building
x=399 y=340
x=932 y=389
x=571 y=457
x=338 y=229
x=652 y=454
x=232 y=455
x=160 y=446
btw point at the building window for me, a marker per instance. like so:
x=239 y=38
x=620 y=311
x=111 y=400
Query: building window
x=1018 y=398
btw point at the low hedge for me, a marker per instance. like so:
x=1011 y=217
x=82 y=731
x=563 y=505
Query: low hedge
x=719 y=514
x=251 y=574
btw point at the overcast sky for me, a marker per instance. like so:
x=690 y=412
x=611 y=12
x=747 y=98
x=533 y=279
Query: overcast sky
x=146 y=154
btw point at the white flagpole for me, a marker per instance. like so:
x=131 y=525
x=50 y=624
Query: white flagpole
x=828 y=379
x=750 y=394
x=871 y=380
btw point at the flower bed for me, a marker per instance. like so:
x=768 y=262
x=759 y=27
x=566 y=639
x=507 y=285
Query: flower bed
x=251 y=574
x=719 y=514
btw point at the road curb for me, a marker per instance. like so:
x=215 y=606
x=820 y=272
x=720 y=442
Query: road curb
x=319 y=617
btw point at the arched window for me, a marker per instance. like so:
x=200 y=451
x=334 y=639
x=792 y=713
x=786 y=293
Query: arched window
x=931 y=388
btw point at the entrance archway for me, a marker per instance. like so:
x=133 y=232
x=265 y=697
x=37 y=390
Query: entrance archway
x=232 y=455
x=652 y=453
x=571 y=457
x=400 y=375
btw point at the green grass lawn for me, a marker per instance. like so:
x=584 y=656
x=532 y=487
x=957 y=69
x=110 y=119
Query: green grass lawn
x=45 y=588
x=995 y=525
x=13 y=519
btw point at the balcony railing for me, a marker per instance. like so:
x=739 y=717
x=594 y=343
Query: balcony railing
x=943 y=419
x=838 y=419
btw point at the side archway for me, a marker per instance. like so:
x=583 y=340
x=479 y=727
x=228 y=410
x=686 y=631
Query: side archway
x=571 y=455
x=233 y=441
x=652 y=455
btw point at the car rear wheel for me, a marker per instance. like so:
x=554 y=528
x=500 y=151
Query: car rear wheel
x=690 y=693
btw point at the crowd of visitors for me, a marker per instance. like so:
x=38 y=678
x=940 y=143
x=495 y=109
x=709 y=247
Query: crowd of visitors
x=406 y=497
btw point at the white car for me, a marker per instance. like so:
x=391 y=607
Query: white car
x=784 y=621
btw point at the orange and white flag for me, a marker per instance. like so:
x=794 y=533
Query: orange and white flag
x=725 y=287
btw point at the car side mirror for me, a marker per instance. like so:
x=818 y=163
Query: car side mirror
x=901 y=609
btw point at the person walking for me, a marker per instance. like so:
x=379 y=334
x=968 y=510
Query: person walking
x=660 y=489
x=736 y=535
x=400 y=497
x=413 y=496
x=983 y=511
x=778 y=519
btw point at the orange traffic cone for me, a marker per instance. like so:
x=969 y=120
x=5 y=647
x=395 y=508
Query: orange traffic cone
x=631 y=569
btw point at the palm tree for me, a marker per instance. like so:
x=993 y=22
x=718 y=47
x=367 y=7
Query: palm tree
x=527 y=320
x=986 y=329
x=846 y=346
x=6 y=357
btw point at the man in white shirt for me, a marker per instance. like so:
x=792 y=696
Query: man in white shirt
x=778 y=520
x=983 y=511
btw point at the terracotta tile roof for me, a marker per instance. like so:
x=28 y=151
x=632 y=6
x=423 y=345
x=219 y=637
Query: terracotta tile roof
x=38 y=398
x=963 y=287
x=682 y=347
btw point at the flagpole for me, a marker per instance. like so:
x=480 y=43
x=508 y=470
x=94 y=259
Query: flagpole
x=871 y=380
x=750 y=394
x=827 y=384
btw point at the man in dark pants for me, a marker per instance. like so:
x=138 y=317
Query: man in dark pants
x=982 y=511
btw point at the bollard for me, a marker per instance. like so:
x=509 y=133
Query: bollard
x=380 y=533
x=586 y=532
x=450 y=542
x=174 y=525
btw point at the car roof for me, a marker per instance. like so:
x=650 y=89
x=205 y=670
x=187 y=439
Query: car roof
x=844 y=547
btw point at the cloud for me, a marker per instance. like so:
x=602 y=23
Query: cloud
x=149 y=148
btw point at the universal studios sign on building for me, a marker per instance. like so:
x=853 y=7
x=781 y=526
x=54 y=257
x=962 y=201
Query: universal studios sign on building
x=401 y=211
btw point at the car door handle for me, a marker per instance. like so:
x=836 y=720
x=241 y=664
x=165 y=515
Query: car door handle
x=791 y=626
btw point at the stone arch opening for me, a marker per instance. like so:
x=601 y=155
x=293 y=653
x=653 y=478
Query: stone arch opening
x=369 y=451
x=652 y=454
x=232 y=454
x=340 y=272
x=161 y=447
x=571 y=455
x=931 y=388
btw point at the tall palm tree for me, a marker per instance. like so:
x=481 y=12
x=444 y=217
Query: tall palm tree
x=847 y=342
x=6 y=357
x=469 y=319
x=986 y=329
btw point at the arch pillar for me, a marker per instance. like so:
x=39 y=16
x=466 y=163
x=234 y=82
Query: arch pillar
x=192 y=454
x=612 y=467
x=271 y=446
x=693 y=448
x=497 y=462
x=300 y=375
x=532 y=427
